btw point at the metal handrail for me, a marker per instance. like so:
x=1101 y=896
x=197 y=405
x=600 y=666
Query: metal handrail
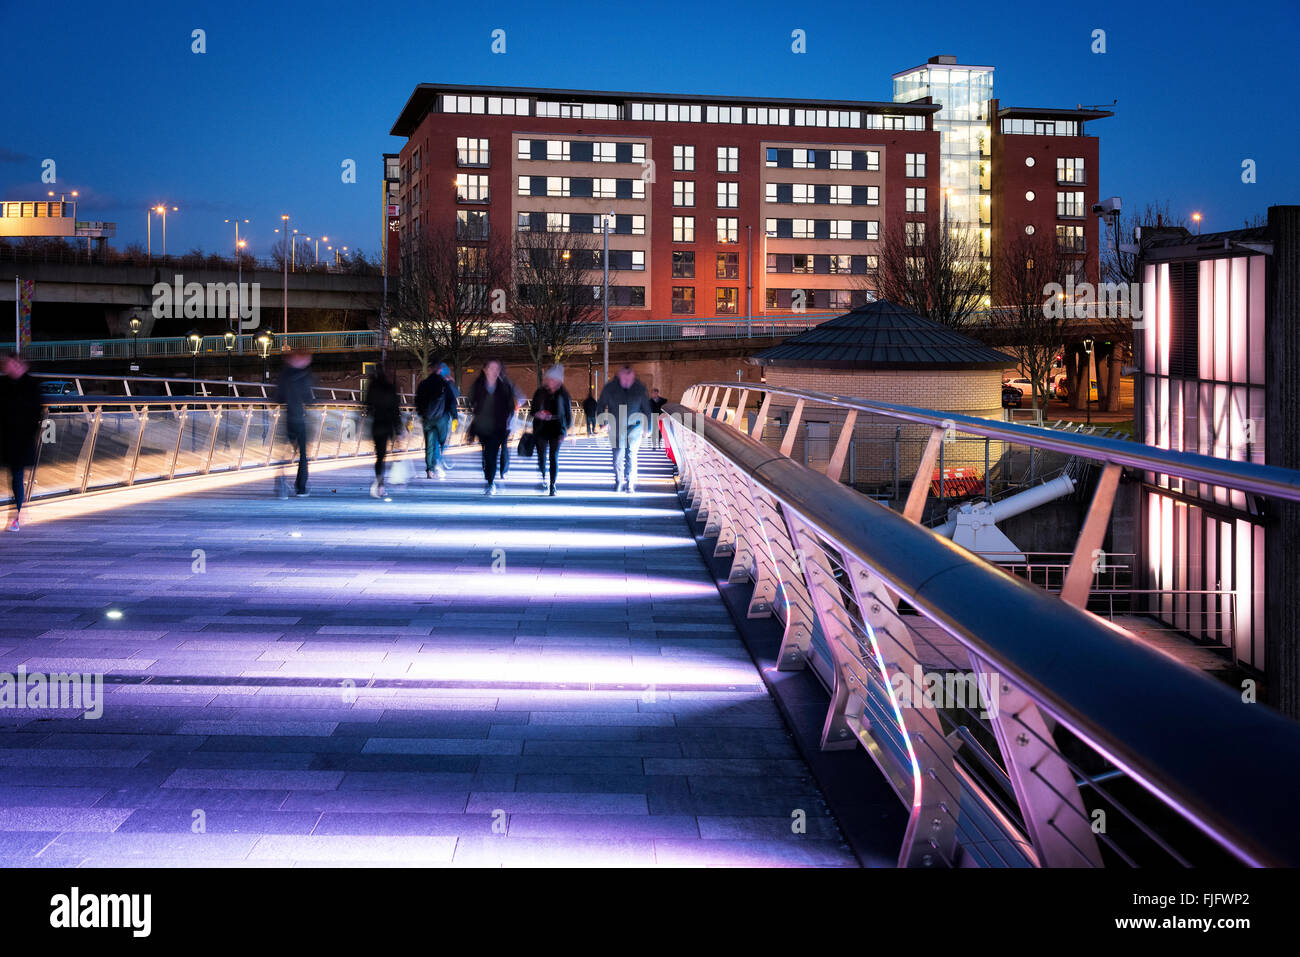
x=1243 y=476
x=1227 y=767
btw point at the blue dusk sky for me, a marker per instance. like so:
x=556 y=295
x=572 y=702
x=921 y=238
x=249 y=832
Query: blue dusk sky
x=260 y=123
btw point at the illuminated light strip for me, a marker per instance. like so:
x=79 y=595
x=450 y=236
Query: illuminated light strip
x=88 y=503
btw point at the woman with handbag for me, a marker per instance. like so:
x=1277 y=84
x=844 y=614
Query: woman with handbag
x=493 y=400
x=552 y=420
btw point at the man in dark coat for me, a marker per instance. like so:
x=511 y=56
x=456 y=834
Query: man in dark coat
x=494 y=403
x=385 y=411
x=296 y=391
x=625 y=398
x=589 y=410
x=435 y=401
x=21 y=414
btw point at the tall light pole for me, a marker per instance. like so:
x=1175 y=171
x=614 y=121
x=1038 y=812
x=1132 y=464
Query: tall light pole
x=1196 y=218
x=285 y=219
x=239 y=283
x=604 y=298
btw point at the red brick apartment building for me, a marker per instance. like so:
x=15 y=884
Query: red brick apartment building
x=725 y=206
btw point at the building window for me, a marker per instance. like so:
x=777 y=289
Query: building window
x=728 y=229
x=1070 y=170
x=916 y=199
x=1070 y=204
x=684 y=300
x=1070 y=239
x=727 y=301
x=471 y=151
x=915 y=233
x=683 y=229
x=728 y=195
x=728 y=159
x=684 y=192
x=471 y=224
x=915 y=165
x=728 y=265
x=684 y=159
x=683 y=264
x=471 y=188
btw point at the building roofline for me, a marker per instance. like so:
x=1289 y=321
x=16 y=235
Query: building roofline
x=943 y=66
x=1007 y=112
x=421 y=99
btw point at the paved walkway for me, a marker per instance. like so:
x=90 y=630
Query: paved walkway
x=443 y=678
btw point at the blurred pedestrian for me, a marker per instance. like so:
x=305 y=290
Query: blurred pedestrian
x=21 y=413
x=385 y=413
x=296 y=391
x=625 y=398
x=657 y=402
x=435 y=401
x=552 y=420
x=589 y=412
x=493 y=401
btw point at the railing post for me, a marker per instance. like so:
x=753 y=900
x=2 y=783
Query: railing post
x=1078 y=578
x=920 y=489
x=792 y=430
x=89 y=446
x=738 y=419
x=835 y=468
x=760 y=421
x=139 y=440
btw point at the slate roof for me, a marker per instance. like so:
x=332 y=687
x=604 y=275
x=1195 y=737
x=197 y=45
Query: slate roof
x=882 y=335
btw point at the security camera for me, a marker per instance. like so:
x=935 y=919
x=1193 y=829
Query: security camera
x=1107 y=207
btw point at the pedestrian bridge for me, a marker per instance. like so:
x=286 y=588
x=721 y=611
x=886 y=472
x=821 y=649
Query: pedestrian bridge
x=443 y=677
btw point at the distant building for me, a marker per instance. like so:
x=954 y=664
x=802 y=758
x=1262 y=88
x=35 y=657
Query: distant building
x=734 y=206
x=52 y=219
x=1219 y=369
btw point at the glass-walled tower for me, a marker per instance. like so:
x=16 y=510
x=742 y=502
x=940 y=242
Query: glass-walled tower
x=965 y=143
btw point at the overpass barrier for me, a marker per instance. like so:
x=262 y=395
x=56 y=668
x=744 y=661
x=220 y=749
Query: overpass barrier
x=1015 y=727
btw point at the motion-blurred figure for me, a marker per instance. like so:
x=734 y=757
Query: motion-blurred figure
x=552 y=420
x=589 y=412
x=435 y=400
x=625 y=398
x=494 y=403
x=21 y=412
x=296 y=392
x=385 y=413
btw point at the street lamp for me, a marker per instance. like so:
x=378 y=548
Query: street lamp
x=230 y=348
x=160 y=210
x=264 y=347
x=135 y=332
x=196 y=343
x=1196 y=218
x=285 y=219
x=1087 y=393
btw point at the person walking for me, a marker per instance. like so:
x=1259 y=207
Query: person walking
x=657 y=402
x=435 y=400
x=385 y=413
x=296 y=391
x=552 y=420
x=625 y=398
x=589 y=412
x=493 y=401
x=21 y=413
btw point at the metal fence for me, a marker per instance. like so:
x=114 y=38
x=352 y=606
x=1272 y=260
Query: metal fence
x=1016 y=727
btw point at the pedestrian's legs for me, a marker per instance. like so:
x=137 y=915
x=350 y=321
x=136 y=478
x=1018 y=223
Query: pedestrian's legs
x=17 y=484
x=431 y=448
x=442 y=429
x=301 y=441
x=490 y=453
x=633 y=446
x=591 y=425
x=381 y=450
x=505 y=455
x=553 y=449
x=618 y=466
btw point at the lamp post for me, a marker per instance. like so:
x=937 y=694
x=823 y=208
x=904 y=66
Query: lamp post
x=230 y=348
x=264 y=347
x=1196 y=218
x=1087 y=388
x=239 y=282
x=196 y=343
x=285 y=219
x=135 y=332
x=161 y=210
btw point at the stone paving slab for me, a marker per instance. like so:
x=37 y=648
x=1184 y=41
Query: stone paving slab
x=443 y=679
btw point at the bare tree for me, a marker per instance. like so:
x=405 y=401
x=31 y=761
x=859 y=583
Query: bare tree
x=1032 y=317
x=444 y=298
x=557 y=279
x=935 y=272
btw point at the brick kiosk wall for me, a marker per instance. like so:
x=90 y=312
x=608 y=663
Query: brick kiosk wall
x=976 y=392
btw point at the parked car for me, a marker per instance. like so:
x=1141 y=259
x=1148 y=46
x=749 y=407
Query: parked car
x=1011 y=396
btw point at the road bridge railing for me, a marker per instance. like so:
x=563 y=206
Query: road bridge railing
x=1016 y=727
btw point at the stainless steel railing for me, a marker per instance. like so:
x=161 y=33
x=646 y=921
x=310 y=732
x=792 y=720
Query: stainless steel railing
x=89 y=443
x=1016 y=727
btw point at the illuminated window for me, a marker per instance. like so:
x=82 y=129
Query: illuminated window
x=728 y=159
x=728 y=195
x=728 y=230
x=684 y=158
x=684 y=300
x=683 y=264
x=471 y=152
x=683 y=229
x=684 y=192
x=1070 y=170
x=915 y=165
x=471 y=188
x=728 y=266
x=1069 y=203
x=727 y=301
x=915 y=199
x=915 y=233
